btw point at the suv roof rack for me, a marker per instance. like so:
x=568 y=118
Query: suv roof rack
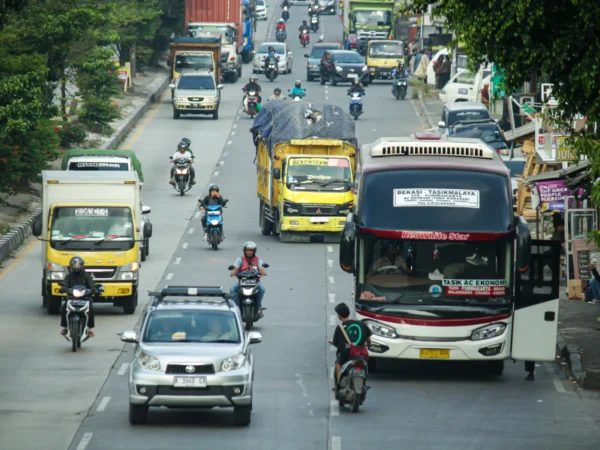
x=454 y=147
x=190 y=291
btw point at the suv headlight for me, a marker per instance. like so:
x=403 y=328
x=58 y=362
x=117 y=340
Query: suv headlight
x=338 y=68
x=129 y=271
x=380 y=329
x=210 y=99
x=148 y=362
x=55 y=272
x=180 y=99
x=235 y=362
x=488 y=332
x=364 y=69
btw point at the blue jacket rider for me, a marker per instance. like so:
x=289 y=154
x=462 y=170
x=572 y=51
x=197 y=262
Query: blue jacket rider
x=298 y=89
x=249 y=261
x=400 y=72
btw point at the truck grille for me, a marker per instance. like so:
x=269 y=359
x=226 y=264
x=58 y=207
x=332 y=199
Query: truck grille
x=319 y=210
x=369 y=35
x=101 y=273
x=199 y=368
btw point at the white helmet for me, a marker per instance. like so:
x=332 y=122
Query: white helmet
x=250 y=246
x=281 y=21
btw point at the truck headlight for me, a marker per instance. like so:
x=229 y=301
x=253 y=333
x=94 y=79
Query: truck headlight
x=488 y=332
x=148 y=362
x=55 y=272
x=346 y=208
x=129 y=271
x=235 y=362
x=290 y=208
x=380 y=329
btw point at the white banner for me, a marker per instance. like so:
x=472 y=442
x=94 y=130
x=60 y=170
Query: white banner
x=436 y=198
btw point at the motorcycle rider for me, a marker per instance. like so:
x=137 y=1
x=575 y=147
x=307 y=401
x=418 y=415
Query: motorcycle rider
x=189 y=143
x=77 y=276
x=303 y=27
x=251 y=86
x=276 y=95
x=297 y=90
x=281 y=25
x=358 y=333
x=356 y=87
x=400 y=71
x=249 y=261
x=285 y=4
x=213 y=198
x=183 y=153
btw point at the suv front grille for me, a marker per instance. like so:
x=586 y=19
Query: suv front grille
x=199 y=368
x=196 y=99
x=319 y=210
x=101 y=273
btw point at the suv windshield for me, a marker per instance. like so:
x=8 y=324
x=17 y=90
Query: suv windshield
x=196 y=82
x=279 y=49
x=348 y=58
x=318 y=52
x=192 y=326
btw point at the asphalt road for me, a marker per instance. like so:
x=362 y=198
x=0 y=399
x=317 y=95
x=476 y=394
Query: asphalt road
x=54 y=399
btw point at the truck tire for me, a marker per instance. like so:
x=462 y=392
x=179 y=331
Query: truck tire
x=266 y=226
x=129 y=304
x=239 y=72
x=246 y=57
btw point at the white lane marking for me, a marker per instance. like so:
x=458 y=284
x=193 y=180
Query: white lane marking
x=197 y=215
x=373 y=129
x=330 y=262
x=124 y=367
x=216 y=174
x=557 y=384
x=177 y=260
x=103 y=404
x=332 y=319
x=332 y=373
x=169 y=276
x=335 y=408
x=235 y=125
x=221 y=162
x=85 y=440
x=555 y=378
x=326 y=98
x=233 y=133
x=191 y=231
x=225 y=154
x=229 y=142
x=329 y=248
x=332 y=280
x=336 y=443
x=331 y=298
x=184 y=245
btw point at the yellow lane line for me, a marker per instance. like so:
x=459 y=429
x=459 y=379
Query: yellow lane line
x=18 y=259
x=136 y=136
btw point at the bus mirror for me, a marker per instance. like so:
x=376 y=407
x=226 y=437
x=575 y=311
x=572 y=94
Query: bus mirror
x=347 y=245
x=36 y=228
x=523 y=245
x=277 y=173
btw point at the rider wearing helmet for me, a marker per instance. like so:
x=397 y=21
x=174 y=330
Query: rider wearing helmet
x=272 y=54
x=276 y=95
x=248 y=261
x=303 y=27
x=356 y=87
x=183 y=153
x=252 y=86
x=189 y=144
x=400 y=71
x=213 y=198
x=281 y=25
x=297 y=89
x=77 y=276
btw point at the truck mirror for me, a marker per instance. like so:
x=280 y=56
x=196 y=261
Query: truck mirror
x=146 y=209
x=523 y=244
x=277 y=173
x=305 y=55
x=36 y=228
x=219 y=86
x=172 y=86
x=148 y=230
x=347 y=245
x=441 y=124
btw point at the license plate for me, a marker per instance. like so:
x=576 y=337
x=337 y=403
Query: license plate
x=319 y=219
x=195 y=105
x=352 y=75
x=434 y=353
x=190 y=382
x=463 y=91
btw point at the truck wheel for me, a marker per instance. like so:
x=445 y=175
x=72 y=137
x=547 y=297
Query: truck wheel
x=143 y=252
x=233 y=77
x=54 y=304
x=266 y=226
x=239 y=71
x=129 y=304
x=246 y=58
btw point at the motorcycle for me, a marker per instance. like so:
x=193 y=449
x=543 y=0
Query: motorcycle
x=296 y=97
x=281 y=36
x=78 y=310
x=314 y=23
x=271 y=71
x=285 y=15
x=399 y=87
x=214 y=224
x=352 y=389
x=182 y=175
x=251 y=101
x=304 y=38
x=355 y=104
x=248 y=295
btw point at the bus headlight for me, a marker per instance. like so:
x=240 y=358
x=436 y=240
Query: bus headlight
x=380 y=329
x=488 y=332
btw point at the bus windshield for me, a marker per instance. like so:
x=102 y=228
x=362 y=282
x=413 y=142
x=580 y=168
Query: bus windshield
x=425 y=272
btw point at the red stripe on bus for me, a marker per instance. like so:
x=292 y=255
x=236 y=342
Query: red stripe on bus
x=434 y=322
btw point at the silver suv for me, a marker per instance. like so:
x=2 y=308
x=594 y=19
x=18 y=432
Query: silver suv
x=196 y=92
x=191 y=352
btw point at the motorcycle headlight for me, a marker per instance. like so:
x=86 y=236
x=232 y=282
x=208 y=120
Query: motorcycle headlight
x=129 y=271
x=55 y=272
x=338 y=68
x=148 y=362
x=180 y=99
x=214 y=222
x=380 y=329
x=488 y=332
x=235 y=362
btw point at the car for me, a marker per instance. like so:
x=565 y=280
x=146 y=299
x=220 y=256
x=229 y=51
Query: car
x=486 y=130
x=196 y=93
x=191 y=352
x=327 y=7
x=285 y=57
x=462 y=111
x=516 y=167
x=314 y=59
x=261 y=10
x=343 y=66
x=301 y=2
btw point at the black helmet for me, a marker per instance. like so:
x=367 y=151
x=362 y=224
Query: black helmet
x=76 y=264
x=277 y=90
x=187 y=141
x=213 y=187
x=304 y=22
x=298 y=83
x=356 y=81
x=250 y=246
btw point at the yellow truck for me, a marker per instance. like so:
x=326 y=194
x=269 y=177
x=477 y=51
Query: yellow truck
x=382 y=57
x=305 y=171
x=93 y=215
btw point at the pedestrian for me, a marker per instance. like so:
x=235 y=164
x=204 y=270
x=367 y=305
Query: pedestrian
x=417 y=59
x=485 y=95
x=445 y=70
x=437 y=68
x=530 y=368
x=595 y=285
x=421 y=71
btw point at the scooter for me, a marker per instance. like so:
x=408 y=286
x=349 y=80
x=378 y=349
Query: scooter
x=214 y=224
x=251 y=101
x=314 y=23
x=304 y=38
x=271 y=71
x=285 y=15
x=78 y=310
x=281 y=36
x=182 y=175
x=355 y=104
x=296 y=97
x=352 y=389
x=399 y=87
x=248 y=295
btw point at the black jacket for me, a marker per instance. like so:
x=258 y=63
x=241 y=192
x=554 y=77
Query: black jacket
x=356 y=88
x=253 y=87
x=304 y=27
x=208 y=198
x=78 y=279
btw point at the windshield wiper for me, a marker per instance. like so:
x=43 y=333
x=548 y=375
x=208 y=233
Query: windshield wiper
x=328 y=182
x=222 y=341
x=111 y=237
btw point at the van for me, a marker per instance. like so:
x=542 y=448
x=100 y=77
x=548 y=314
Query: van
x=466 y=86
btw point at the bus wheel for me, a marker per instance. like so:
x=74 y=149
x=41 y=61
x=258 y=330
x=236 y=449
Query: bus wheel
x=494 y=368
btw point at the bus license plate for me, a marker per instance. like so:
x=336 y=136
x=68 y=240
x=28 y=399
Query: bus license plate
x=319 y=219
x=434 y=353
x=190 y=382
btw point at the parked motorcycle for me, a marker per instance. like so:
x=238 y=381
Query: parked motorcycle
x=78 y=310
x=182 y=175
x=296 y=97
x=352 y=389
x=355 y=104
x=314 y=23
x=304 y=38
x=252 y=102
x=399 y=87
x=280 y=36
x=285 y=15
x=214 y=224
x=248 y=295
x=271 y=71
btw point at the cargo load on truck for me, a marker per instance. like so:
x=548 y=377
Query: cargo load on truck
x=96 y=159
x=263 y=122
x=189 y=54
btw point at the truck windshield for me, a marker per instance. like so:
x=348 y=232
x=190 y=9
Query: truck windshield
x=120 y=166
x=316 y=172
x=196 y=82
x=373 y=18
x=193 y=62
x=94 y=228
x=419 y=272
x=385 y=50
x=214 y=31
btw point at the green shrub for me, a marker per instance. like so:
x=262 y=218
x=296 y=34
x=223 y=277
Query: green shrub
x=71 y=134
x=97 y=114
x=143 y=55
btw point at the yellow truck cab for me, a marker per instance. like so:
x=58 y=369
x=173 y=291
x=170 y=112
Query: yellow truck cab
x=94 y=216
x=305 y=171
x=383 y=57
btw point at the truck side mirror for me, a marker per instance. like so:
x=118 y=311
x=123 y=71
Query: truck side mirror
x=347 y=245
x=277 y=173
x=441 y=124
x=523 y=244
x=36 y=228
x=146 y=209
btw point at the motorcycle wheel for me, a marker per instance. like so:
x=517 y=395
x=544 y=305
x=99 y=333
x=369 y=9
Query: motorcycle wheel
x=396 y=95
x=355 y=403
x=181 y=187
x=248 y=317
x=403 y=94
x=74 y=332
x=215 y=241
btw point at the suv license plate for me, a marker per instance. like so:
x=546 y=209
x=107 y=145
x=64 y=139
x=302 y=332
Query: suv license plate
x=352 y=75
x=195 y=105
x=190 y=382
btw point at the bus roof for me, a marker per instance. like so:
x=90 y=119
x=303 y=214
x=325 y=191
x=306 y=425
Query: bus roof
x=428 y=150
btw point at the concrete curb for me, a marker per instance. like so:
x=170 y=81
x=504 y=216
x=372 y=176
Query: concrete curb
x=428 y=117
x=572 y=356
x=12 y=240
